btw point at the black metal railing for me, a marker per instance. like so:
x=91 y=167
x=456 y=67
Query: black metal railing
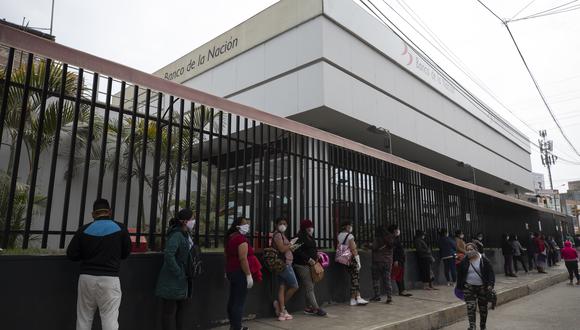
x=70 y=135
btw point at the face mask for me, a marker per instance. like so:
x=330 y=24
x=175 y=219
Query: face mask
x=310 y=231
x=397 y=232
x=349 y=229
x=190 y=224
x=244 y=229
x=480 y=237
x=471 y=254
x=507 y=238
x=461 y=236
x=282 y=228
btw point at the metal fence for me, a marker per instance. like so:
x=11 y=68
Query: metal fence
x=71 y=134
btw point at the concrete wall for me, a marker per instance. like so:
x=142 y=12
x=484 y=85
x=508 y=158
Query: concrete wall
x=39 y=292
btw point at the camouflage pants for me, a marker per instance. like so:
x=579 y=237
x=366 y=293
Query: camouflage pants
x=475 y=295
x=382 y=277
x=354 y=277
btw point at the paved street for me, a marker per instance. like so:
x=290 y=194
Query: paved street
x=554 y=308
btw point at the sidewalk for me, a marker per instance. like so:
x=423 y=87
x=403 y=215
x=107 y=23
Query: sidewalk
x=424 y=310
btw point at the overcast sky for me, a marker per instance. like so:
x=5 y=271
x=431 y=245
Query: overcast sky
x=149 y=34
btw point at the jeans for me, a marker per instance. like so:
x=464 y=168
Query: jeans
x=306 y=282
x=288 y=277
x=450 y=269
x=238 y=293
x=172 y=318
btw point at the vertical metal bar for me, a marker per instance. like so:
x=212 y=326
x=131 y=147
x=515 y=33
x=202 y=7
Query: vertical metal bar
x=5 y=91
x=306 y=177
x=104 y=139
x=253 y=180
x=218 y=179
x=142 y=174
x=289 y=196
x=267 y=165
x=179 y=156
x=228 y=168
x=209 y=172
x=190 y=155
x=245 y=177
x=130 y=153
x=34 y=169
x=261 y=212
x=70 y=160
x=88 y=150
x=236 y=166
x=283 y=211
x=168 y=165
x=301 y=178
x=18 y=149
x=54 y=157
x=118 y=149
x=199 y=171
x=275 y=175
x=318 y=187
x=325 y=196
x=296 y=195
x=156 y=171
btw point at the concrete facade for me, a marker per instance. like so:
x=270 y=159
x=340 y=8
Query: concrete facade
x=332 y=65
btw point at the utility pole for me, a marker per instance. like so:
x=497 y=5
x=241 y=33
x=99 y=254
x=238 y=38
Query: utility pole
x=548 y=159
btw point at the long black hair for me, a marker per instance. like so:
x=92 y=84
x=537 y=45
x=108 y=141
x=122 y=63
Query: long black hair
x=233 y=228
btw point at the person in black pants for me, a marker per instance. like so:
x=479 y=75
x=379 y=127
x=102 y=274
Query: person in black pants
x=518 y=252
x=531 y=251
x=447 y=253
x=424 y=260
x=398 y=273
x=508 y=255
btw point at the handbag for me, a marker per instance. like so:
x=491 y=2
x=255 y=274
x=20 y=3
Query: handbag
x=490 y=294
x=317 y=272
x=273 y=261
x=343 y=253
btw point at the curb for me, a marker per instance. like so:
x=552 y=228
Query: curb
x=455 y=312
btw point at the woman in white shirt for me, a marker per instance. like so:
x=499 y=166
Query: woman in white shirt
x=345 y=237
x=475 y=277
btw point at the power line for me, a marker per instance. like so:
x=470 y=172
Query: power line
x=460 y=88
x=505 y=23
x=521 y=10
x=551 y=9
x=571 y=8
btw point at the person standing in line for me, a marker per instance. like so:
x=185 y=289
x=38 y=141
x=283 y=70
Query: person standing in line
x=287 y=278
x=554 y=251
x=399 y=258
x=532 y=252
x=175 y=281
x=540 y=255
x=478 y=241
x=508 y=256
x=518 y=252
x=99 y=246
x=447 y=254
x=460 y=245
x=570 y=257
x=242 y=268
x=345 y=237
x=475 y=278
x=382 y=248
x=424 y=260
x=305 y=257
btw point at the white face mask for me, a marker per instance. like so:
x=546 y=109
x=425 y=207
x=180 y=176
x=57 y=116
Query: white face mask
x=397 y=232
x=190 y=224
x=282 y=228
x=310 y=231
x=244 y=229
x=461 y=236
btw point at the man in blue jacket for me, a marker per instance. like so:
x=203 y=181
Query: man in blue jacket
x=99 y=246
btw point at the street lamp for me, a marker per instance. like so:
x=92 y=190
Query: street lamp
x=386 y=133
x=462 y=164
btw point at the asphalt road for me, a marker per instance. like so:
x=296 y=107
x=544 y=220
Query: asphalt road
x=554 y=308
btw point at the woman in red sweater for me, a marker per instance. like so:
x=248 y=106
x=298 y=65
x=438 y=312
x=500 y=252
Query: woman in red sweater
x=570 y=257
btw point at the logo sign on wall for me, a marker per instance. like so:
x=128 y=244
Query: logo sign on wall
x=467 y=217
x=540 y=225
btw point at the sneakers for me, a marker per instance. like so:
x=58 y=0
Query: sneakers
x=361 y=301
x=276 y=308
x=320 y=312
x=405 y=294
x=376 y=298
x=389 y=300
x=353 y=302
x=309 y=311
